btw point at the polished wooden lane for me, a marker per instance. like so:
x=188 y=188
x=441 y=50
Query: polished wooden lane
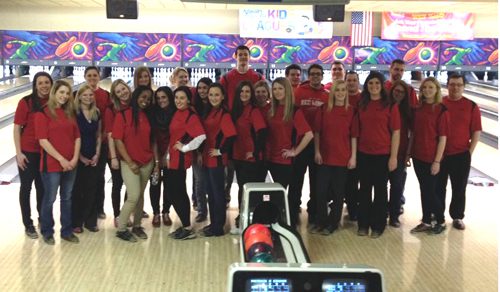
x=453 y=261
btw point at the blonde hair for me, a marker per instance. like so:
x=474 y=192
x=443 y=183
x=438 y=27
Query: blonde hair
x=438 y=98
x=331 y=95
x=289 y=99
x=93 y=110
x=112 y=94
x=137 y=73
x=174 y=75
x=52 y=103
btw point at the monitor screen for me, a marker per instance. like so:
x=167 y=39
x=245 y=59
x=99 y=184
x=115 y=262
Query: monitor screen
x=344 y=285
x=268 y=284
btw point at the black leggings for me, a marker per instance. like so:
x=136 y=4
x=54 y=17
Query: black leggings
x=177 y=194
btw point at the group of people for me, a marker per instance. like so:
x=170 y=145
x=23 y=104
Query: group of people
x=350 y=140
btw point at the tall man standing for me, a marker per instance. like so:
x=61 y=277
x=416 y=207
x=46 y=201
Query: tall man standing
x=465 y=122
x=309 y=97
x=396 y=72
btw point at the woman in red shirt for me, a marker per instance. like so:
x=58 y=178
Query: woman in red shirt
x=400 y=96
x=28 y=148
x=263 y=96
x=120 y=99
x=220 y=132
x=102 y=101
x=335 y=153
x=163 y=110
x=377 y=130
x=288 y=135
x=134 y=140
x=186 y=135
x=428 y=143
x=59 y=138
x=248 y=148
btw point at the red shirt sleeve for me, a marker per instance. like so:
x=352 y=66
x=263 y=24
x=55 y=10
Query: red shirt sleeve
x=109 y=117
x=443 y=124
x=194 y=127
x=22 y=112
x=227 y=126
x=395 y=122
x=476 y=120
x=258 y=121
x=118 y=127
x=355 y=125
x=300 y=123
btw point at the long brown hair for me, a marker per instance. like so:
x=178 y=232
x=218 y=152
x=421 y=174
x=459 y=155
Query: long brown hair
x=289 y=99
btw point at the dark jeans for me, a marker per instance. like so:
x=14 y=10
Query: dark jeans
x=373 y=174
x=116 y=189
x=248 y=172
x=101 y=169
x=282 y=174
x=155 y=193
x=177 y=194
x=397 y=178
x=330 y=184
x=301 y=163
x=84 y=196
x=200 y=188
x=352 y=192
x=27 y=176
x=51 y=183
x=457 y=167
x=431 y=204
x=216 y=200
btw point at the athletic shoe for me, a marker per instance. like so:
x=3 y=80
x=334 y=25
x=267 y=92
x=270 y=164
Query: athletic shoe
x=31 y=232
x=71 y=238
x=126 y=235
x=375 y=234
x=200 y=218
x=422 y=227
x=458 y=224
x=363 y=232
x=176 y=232
x=438 y=229
x=139 y=232
x=49 y=240
x=185 y=234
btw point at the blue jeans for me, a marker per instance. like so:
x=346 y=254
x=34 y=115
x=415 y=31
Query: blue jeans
x=216 y=198
x=51 y=182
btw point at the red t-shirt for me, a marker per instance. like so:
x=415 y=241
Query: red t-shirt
x=25 y=118
x=374 y=126
x=465 y=119
x=247 y=125
x=218 y=127
x=280 y=134
x=185 y=126
x=136 y=140
x=102 y=102
x=232 y=79
x=431 y=122
x=334 y=128
x=354 y=101
x=310 y=100
x=413 y=93
x=61 y=132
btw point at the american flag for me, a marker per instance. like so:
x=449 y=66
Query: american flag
x=361 y=28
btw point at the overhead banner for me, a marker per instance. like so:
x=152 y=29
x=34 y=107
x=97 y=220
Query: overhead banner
x=432 y=26
x=282 y=24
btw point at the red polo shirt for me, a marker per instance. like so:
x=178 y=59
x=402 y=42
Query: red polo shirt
x=280 y=134
x=218 y=127
x=334 y=128
x=354 y=101
x=61 y=132
x=310 y=100
x=136 y=140
x=465 y=119
x=232 y=79
x=247 y=125
x=431 y=122
x=185 y=126
x=374 y=126
x=25 y=118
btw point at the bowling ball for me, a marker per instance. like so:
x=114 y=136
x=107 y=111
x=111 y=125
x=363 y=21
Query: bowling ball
x=446 y=53
x=340 y=54
x=78 y=49
x=258 y=238
x=167 y=51
x=256 y=228
x=8 y=46
x=255 y=52
x=100 y=48
x=257 y=248
x=262 y=258
x=425 y=54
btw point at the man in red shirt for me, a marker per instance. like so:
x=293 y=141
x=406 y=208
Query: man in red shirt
x=309 y=97
x=396 y=72
x=294 y=74
x=465 y=120
x=230 y=82
x=353 y=90
x=338 y=73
